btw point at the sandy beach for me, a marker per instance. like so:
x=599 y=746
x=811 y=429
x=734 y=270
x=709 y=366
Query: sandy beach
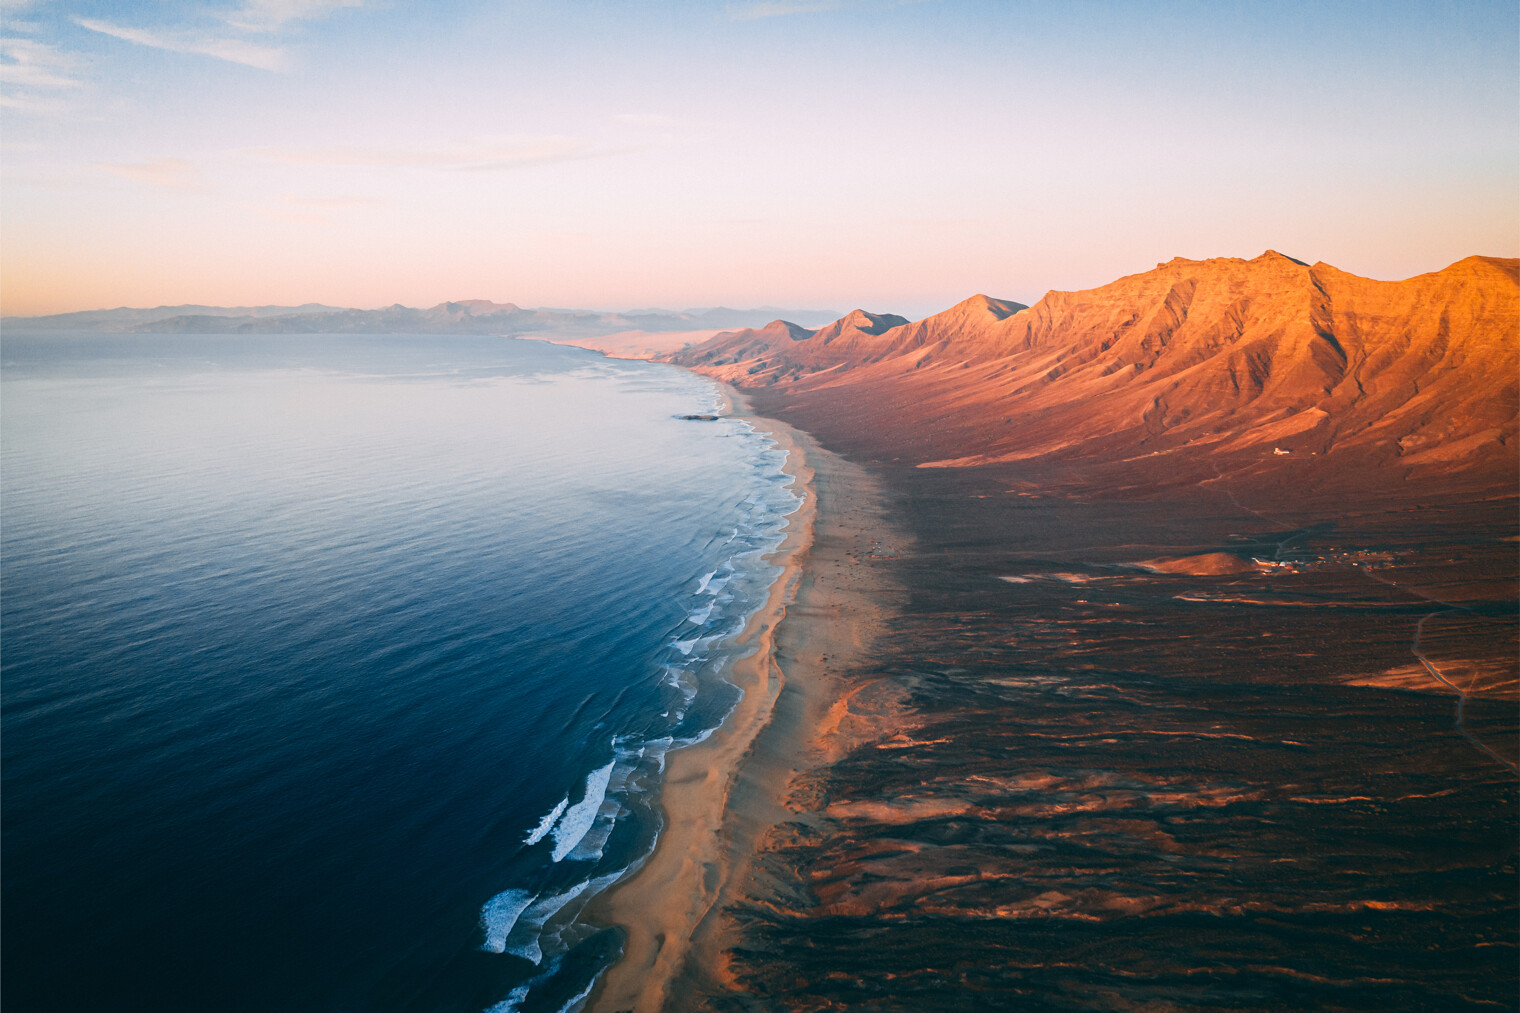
x=720 y=796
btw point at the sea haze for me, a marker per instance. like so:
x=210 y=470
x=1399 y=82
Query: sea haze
x=338 y=670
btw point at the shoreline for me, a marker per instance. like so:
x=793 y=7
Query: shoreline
x=719 y=796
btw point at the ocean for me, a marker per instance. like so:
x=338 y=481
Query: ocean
x=338 y=672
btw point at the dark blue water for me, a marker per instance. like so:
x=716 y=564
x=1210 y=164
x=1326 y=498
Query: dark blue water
x=304 y=639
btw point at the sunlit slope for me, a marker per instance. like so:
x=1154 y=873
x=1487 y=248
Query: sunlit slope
x=1197 y=363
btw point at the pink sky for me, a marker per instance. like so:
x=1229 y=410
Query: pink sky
x=893 y=156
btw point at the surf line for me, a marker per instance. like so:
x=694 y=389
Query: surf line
x=661 y=904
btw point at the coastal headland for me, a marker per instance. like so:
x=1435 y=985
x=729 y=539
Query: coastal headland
x=1191 y=684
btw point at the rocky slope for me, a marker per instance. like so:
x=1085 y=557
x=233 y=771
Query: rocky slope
x=1181 y=371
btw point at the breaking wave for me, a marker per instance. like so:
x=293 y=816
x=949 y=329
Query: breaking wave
x=614 y=825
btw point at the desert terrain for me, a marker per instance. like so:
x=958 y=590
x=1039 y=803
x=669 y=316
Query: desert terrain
x=1191 y=680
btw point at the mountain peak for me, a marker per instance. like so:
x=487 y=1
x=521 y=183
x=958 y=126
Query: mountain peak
x=1509 y=267
x=1267 y=258
x=986 y=305
x=786 y=329
x=872 y=323
x=1272 y=256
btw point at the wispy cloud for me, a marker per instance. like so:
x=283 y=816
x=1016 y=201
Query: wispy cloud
x=169 y=173
x=778 y=8
x=229 y=38
x=34 y=75
x=27 y=63
x=496 y=153
x=249 y=54
x=268 y=15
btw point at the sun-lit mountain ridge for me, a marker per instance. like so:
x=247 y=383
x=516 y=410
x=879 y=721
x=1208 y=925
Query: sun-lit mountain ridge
x=1199 y=361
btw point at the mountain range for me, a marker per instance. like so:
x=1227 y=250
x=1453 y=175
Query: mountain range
x=1177 y=372
x=472 y=316
x=1187 y=372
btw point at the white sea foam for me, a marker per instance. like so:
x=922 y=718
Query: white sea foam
x=686 y=682
x=620 y=775
x=700 y=737
x=579 y=817
x=589 y=847
x=625 y=765
x=499 y=915
x=575 y=1004
x=523 y=940
x=547 y=823
x=657 y=748
x=527 y=938
x=542 y=929
x=511 y=1002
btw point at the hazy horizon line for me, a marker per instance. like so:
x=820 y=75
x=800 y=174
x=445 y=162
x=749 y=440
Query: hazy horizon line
x=915 y=312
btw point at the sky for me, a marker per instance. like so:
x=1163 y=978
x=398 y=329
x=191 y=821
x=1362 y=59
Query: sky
x=897 y=156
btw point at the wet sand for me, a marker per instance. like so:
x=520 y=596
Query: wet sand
x=720 y=795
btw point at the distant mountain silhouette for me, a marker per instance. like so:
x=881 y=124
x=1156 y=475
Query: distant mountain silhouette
x=470 y=316
x=125 y=318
